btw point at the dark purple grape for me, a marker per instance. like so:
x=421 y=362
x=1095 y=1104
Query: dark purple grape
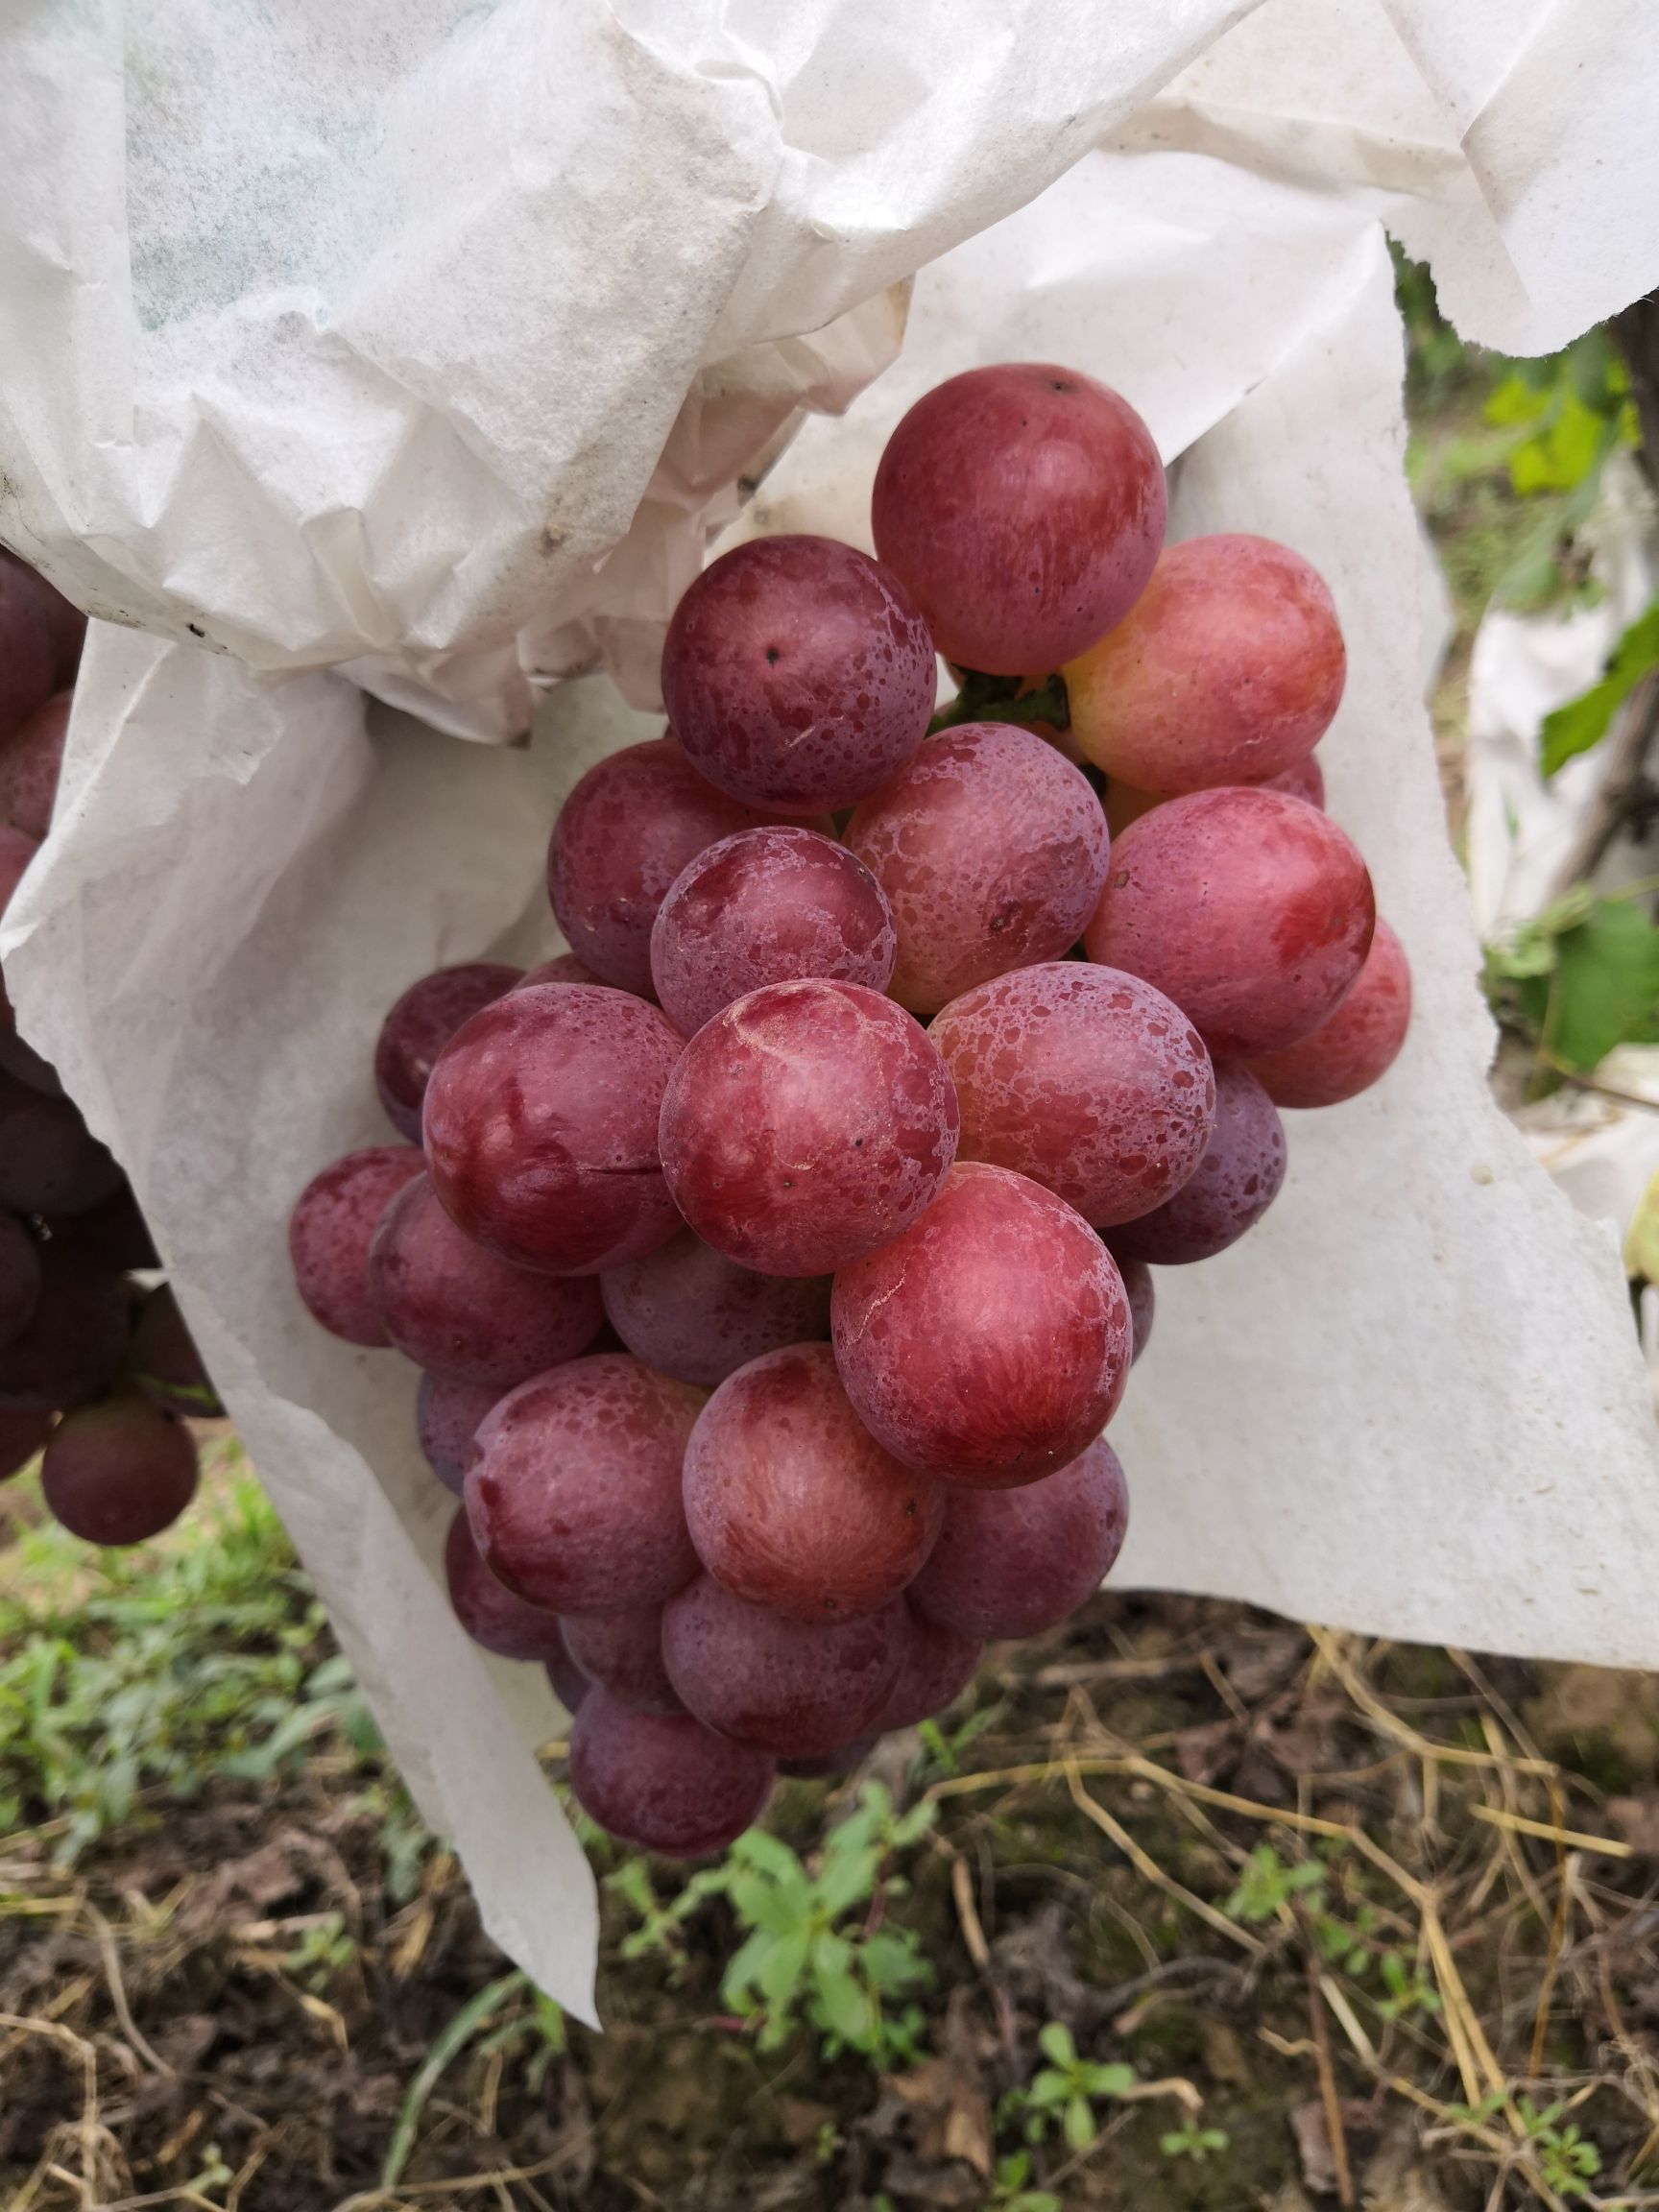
x=1235 y=1182
x=1142 y=1302
x=418 y=1026
x=566 y=1680
x=491 y=1614
x=937 y=1666
x=689 y=1312
x=19 y=1278
x=73 y=1344
x=115 y=1234
x=65 y=624
x=827 y=1766
x=31 y=762
x=446 y=1418
x=119 y=1472
x=622 y=1654
x=1016 y=1562
x=332 y=1228
x=163 y=1361
x=25 y=1065
x=26 y=657
x=795 y=1688
x=23 y=1430
x=50 y=1161
x=662 y=1781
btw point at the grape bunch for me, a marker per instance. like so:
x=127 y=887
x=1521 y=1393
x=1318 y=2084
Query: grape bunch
x=776 y=1256
x=97 y=1372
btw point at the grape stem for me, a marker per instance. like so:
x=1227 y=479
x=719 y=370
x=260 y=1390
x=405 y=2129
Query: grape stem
x=1021 y=699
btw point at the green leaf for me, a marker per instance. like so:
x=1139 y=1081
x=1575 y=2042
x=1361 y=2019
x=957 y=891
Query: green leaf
x=848 y=1877
x=1584 y=721
x=1055 y=2042
x=762 y=1904
x=1050 y=2088
x=743 y=1969
x=892 y=1962
x=846 y=2008
x=1605 y=989
x=781 y=1970
x=1108 y=2081
x=1078 y=2126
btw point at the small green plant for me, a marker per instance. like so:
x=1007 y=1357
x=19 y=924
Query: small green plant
x=1582 y=976
x=1266 y=1885
x=324 y=1949
x=540 y=2023
x=1064 y=2091
x=662 y=1928
x=944 y=1754
x=1194 y=2142
x=1567 y=2159
x=1010 y=2192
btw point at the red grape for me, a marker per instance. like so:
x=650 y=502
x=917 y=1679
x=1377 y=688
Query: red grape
x=418 y=1026
x=1227 y=669
x=1142 y=1299
x=1024 y=507
x=459 y=1312
x=540 y=1128
x=662 y=1781
x=1085 y=1079
x=566 y=1680
x=562 y=967
x=20 y=1277
x=332 y=1228
x=689 y=1312
x=622 y=837
x=119 y=1472
x=992 y=850
x=1233 y=1185
x=23 y=1430
x=163 y=1361
x=71 y=1347
x=1250 y=910
x=1015 y=1562
x=622 y=1654
x=31 y=762
x=805 y=1125
x=446 y=1418
x=115 y=1234
x=797 y=674
x=991 y=1341
x=573 y=1487
x=15 y=853
x=795 y=1688
x=767 y=906
x=1353 y=1047
x=491 y=1613
x=792 y=1503
x=1124 y=803
x=50 y=1161
x=65 y=624
x=937 y=1665
x=1304 y=779
x=26 y=657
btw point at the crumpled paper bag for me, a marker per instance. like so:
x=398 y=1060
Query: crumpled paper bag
x=389 y=419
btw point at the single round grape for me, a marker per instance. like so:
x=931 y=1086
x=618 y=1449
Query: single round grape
x=566 y=1680
x=1233 y=1185
x=828 y=1765
x=562 y=967
x=796 y=1688
x=20 y=1277
x=1124 y=803
x=689 y=1312
x=1250 y=910
x=573 y=1487
x=540 y=1128
x=1015 y=1562
x=329 y=1233
x=664 y=1782
x=1088 y=1080
x=937 y=1666
x=1142 y=1299
x=26 y=657
x=418 y=1026
x=767 y=906
x=622 y=837
x=491 y=1613
x=119 y=1472
x=50 y=1161
x=1353 y=1047
x=446 y=1419
x=797 y=674
x=992 y=850
x=1227 y=669
x=1303 y=780
x=71 y=1347
x=991 y=1341
x=459 y=1312
x=792 y=1503
x=115 y=1234
x=805 y=1125
x=621 y=1653
x=23 y=1430
x=163 y=1362
x=1024 y=506
x=31 y=762
x=65 y=624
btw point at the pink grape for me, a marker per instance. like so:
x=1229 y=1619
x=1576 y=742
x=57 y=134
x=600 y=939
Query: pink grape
x=562 y=967
x=992 y=850
x=1015 y=1562
x=805 y=1125
x=991 y=1341
x=23 y=1430
x=50 y=1161
x=1250 y=910
x=20 y=1277
x=1356 y=1046
x=1124 y=803
x=1303 y=780
x=1227 y=669
x=446 y=1419
x=65 y=624
x=795 y=1688
x=332 y=1228
x=664 y=1782
x=794 y=1505
x=540 y=1128
x=116 y=1235
x=566 y=1680
x=459 y=1312
x=418 y=1026
x=573 y=1487
x=689 y=1312
x=1233 y=1184
x=767 y=906
x=71 y=1347
x=163 y=1363
x=26 y=657
x=621 y=1653
x=1024 y=506
x=937 y=1665
x=1088 y=1080
x=31 y=762
x=797 y=674
x=119 y=1472
x=622 y=837
x=1142 y=1299
x=491 y=1613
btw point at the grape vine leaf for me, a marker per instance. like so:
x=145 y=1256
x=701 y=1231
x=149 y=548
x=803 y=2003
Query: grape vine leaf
x=1584 y=721
x=1602 y=989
